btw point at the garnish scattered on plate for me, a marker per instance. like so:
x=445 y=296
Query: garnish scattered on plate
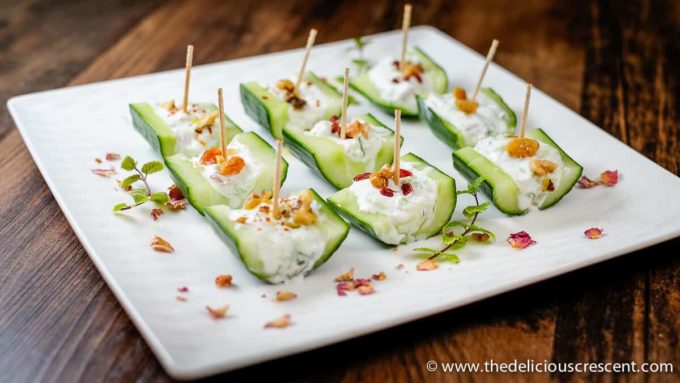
x=284 y=296
x=281 y=322
x=160 y=244
x=607 y=178
x=520 y=240
x=223 y=280
x=594 y=233
x=217 y=312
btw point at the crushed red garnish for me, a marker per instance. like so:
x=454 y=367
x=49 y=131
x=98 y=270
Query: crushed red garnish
x=223 y=280
x=112 y=156
x=387 y=192
x=406 y=188
x=404 y=173
x=155 y=213
x=183 y=289
x=609 y=177
x=175 y=193
x=362 y=176
x=520 y=240
x=593 y=233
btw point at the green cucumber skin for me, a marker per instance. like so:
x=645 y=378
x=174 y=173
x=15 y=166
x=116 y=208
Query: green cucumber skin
x=512 y=121
x=231 y=238
x=443 y=87
x=255 y=109
x=440 y=128
x=160 y=145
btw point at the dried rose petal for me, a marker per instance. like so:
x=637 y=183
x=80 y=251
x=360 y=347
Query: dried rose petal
x=406 y=188
x=155 y=213
x=183 y=289
x=112 y=156
x=362 y=176
x=175 y=193
x=366 y=290
x=346 y=277
x=593 y=233
x=387 y=192
x=281 y=322
x=104 y=172
x=362 y=282
x=341 y=292
x=586 y=183
x=159 y=244
x=223 y=280
x=427 y=265
x=217 y=312
x=181 y=298
x=399 y=266
x=520 y=240
x=379 y=277
x=609 y=177
x=283 y=296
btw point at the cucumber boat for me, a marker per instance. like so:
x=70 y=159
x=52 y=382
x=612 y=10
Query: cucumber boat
x=539 y=177
x=458 y=127
x=170 y=131
x=391 y=85
x=207 y=180
x=275 y=249
x=417 y=208
x=280 y=106
x=367 y=146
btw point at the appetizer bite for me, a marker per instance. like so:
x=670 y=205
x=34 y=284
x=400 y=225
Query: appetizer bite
x=292 y=104
x=280 y=238
x=228 y=172
x=520 y=172
x=397 y=204
x=393 y=83
x=187 y=128
x=461 y=122
x=338 y=148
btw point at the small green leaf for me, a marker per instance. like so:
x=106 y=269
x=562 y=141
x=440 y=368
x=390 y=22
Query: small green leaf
x=139 y=196
x=474 y=186
x=128 y=163
x=479 y=229
x=160 y=197
x=360 y=42
x=452 y=225
x=119 y=207
x=450 y=239
x=360 y=62
x=127 y=182
x=475 y=209
x=448 y=257
x=425 y=250
x=152 y=167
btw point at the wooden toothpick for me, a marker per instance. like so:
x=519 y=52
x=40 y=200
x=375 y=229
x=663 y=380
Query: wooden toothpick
x=187 y=77
x=223 y=132
x=406 y=23
x=343 y=124
x=397 y=146
x=523 y=123
x=277 y=181
x=489 y=58
x=308 y=48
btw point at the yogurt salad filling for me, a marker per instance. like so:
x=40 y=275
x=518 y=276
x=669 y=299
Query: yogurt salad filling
x=195 y=130
x=234 y=176
x=405 y=208
x=536 y=169
x=485 y=119
x=399 y=84
x=308 y=102
x=289 y=243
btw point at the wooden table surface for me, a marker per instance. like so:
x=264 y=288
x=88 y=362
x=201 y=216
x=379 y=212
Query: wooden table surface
x=616 y=63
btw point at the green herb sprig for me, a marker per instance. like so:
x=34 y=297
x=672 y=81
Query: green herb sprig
x=359 y=44
x=140 y=195
x=457 y=233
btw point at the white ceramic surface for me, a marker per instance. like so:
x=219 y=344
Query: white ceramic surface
x=65 y=129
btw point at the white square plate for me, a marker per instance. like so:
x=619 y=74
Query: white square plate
x=66 y=129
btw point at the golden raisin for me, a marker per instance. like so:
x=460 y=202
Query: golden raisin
x=206 y=121
x=542 y=167
x=378 y=181
x=168 y=105
x=522 y=147
x=210 y=156
x=232 y=166
x=356 y=128
x=459 y=93
x=285 y=85
x=467 y=106
x=409 y=69
x=547 y=185
x=304 y=217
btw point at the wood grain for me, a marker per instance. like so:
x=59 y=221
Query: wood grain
x=614 y=62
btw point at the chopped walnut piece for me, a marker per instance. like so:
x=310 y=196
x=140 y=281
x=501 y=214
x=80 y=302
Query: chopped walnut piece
x=98 y=160
x=296 y=102
x=377 y=181
x=542 y=167
x=427 y=265
x=379 y=277
x=467 y=106
x=281 y=322
x=160 y=244
x=232 y=166
x=283 y=296
x=256 y=199
x=459 y=93
x=285 y=85
x=181 y=298
x=385 y=171
x=522 y=147
x=175 y=205
x=223 y=280
x=357 y=128
x=304 y=217
x=410 y=69
x=168 y=105
x=346 y=277
x=206 y=121
x=366 y=289
x=217 y=312
x=547 y=185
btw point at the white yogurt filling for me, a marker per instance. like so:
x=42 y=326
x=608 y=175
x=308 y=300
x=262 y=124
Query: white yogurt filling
x=519 y=169
x=183 y=125
x=490 y=119
x=360 y=148
x=314 y=109
x=284 y=252
x=392 y=86
x=238 y=186
x=404 y=215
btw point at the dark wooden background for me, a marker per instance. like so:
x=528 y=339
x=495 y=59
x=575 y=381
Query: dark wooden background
x=616 y=63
